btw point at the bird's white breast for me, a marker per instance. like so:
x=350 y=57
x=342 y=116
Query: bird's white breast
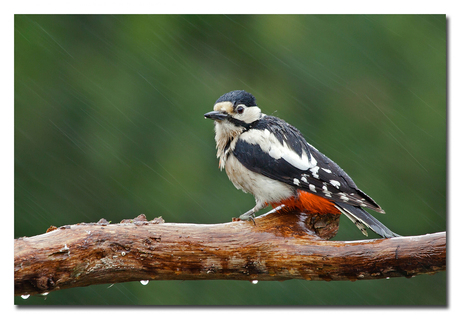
x=264 y=189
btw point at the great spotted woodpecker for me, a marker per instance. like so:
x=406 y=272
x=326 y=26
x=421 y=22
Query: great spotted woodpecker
x=269 y=158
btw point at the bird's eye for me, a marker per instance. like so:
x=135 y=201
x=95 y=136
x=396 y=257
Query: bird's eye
x=240 y=109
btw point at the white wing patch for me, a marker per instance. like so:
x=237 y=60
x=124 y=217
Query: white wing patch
x=270 y=144
x=334 y=183
x=314 y=172
x=326 y=192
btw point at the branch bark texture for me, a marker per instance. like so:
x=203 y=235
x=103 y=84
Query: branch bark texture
x=280 y=246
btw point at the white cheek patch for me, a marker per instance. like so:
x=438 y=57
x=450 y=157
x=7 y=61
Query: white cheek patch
x=249 y=115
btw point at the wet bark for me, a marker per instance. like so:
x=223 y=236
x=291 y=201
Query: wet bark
x=280 y=246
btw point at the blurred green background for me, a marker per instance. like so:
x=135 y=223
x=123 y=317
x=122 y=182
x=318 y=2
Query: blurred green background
x=109 y=123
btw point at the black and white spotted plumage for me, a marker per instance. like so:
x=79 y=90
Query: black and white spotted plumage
x=271 y=159
x=323 y=178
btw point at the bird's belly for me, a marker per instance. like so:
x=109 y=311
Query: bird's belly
x=264 y=189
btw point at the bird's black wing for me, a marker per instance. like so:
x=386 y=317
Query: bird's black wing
x=277 y=150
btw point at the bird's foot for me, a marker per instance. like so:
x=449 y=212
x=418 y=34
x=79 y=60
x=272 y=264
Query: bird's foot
x=248 y=216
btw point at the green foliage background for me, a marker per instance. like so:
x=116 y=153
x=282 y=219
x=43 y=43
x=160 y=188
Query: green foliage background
x=109 y=123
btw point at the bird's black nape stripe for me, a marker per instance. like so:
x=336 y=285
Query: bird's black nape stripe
x=237 y=122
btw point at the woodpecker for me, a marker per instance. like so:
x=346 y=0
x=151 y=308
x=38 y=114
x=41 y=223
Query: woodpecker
x=269 y=158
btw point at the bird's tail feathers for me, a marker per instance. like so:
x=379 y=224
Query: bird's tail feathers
x=363 y=219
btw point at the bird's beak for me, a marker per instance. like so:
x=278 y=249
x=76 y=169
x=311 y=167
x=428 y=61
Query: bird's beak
x=216 y=115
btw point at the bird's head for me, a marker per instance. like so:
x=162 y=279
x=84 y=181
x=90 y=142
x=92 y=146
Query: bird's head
x=235 y=111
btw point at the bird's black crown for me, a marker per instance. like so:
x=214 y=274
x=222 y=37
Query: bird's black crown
x=238 y=97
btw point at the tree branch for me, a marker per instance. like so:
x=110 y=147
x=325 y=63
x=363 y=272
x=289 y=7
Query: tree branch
x=280 y=246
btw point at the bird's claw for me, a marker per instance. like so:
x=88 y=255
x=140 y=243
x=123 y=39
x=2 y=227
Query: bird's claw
x=247 y=216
